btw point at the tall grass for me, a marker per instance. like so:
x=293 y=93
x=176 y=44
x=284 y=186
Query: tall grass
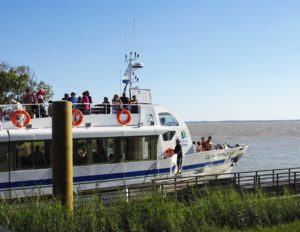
x=215 y=211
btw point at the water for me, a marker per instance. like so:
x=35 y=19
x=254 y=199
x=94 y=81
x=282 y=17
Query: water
x=273 y=144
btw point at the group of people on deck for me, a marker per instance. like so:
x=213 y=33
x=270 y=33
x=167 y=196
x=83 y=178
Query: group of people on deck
x=83 y=103
x=203 y=145
x=125 y=102
x=35 y=103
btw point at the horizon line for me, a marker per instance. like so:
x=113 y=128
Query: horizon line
x=254 y=120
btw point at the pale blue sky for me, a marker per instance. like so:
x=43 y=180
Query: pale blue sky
x=207 y=60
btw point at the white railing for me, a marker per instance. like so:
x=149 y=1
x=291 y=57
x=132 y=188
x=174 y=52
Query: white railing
x=45 y=109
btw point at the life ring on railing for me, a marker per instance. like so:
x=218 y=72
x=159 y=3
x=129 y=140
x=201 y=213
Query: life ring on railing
x=77 y=117
x=20 y=118
x=169 y=152
x=119 y=117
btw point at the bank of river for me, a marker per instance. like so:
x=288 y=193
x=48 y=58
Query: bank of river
x=215 y=211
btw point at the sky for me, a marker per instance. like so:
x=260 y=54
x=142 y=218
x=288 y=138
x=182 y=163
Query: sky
x=206 y=60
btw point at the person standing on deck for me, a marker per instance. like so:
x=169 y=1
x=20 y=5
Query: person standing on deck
x=178 y=151
x=209 y=144
x=30 y=101
x=199 y=147
x=203 y=144
x=66 y=97
x=86 y=103
x=117 y=103
x=106 y=106
x=124 y=100
x=74 y=100
x=87 y=93
x=134 y=102
x=194 y=147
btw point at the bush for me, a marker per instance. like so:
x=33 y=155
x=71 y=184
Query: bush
x=214 y=211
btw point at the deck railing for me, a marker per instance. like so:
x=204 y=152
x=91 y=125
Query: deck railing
x=272 y=181
x=45 y=109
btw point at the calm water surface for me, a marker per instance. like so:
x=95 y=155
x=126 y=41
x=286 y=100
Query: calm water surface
x=273 y=144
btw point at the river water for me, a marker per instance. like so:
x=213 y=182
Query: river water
x=273 y=144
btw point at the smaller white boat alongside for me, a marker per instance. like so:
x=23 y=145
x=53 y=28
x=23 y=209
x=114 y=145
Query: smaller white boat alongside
x=110 y=149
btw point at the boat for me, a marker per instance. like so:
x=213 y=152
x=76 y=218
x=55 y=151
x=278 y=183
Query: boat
x=132 y=145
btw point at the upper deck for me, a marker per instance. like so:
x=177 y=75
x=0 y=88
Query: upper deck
x=97 y=116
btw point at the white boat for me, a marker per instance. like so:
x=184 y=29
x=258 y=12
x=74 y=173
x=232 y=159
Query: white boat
x=109 y=149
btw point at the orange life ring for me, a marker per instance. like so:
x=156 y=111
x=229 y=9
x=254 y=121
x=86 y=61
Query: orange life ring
x=169 y=152
x=77 y=117
x=119 y=117
x=16 y=116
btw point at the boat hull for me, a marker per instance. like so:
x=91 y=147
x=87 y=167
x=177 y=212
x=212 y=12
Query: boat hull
x=39 y=182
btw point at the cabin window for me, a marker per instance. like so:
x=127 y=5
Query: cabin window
x=99 y=152
x=167 y=119
x=30 y=154
x=114 y=150
x=3 y=157
x=23 y=155
x=140 y=148
x=80 y=151
x=168 y=135
x=39 y=156
x=87 y=151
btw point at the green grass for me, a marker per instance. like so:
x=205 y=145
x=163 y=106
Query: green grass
x=214 y=211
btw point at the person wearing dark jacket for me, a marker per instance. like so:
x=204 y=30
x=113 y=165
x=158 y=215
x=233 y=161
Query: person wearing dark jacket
x=178 y=151
x=125 y=100
x=106 y=106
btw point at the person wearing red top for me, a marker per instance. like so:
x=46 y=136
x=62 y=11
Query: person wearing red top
x=31 y=100
x=86 y=101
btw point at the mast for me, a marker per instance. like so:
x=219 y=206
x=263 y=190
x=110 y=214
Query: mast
x=129 y=76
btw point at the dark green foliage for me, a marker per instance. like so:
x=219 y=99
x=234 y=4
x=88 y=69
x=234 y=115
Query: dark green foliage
x=215 y=211
x=15 y=80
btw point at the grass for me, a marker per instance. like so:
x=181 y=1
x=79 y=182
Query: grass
x=215 y=211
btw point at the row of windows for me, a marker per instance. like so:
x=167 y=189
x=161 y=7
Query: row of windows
x=36 y=154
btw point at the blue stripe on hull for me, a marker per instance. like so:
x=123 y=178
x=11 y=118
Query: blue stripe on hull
x=201 y=165
x=121 y=175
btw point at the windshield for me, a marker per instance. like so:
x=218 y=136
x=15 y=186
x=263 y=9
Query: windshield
x=167 y=119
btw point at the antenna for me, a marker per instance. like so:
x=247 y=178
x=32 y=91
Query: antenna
x=120 y=81
x=134 y=48
x=125 y=40
x=129 y=76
